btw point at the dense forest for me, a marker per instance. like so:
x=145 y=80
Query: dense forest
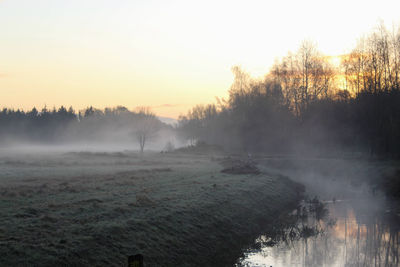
x=112 y=125
x=308 y=105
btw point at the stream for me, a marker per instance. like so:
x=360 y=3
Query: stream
x=360 y=228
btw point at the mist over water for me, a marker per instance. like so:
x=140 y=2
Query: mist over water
x=361 y=227
x=299 y=167
x=359 y=237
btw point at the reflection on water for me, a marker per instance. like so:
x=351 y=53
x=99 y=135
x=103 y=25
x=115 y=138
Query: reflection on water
x=351 y=233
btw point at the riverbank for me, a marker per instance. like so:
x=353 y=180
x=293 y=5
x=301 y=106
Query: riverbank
x=95 y=209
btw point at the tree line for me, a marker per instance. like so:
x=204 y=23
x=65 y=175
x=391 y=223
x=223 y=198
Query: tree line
x=89 y=125
x=307 y=104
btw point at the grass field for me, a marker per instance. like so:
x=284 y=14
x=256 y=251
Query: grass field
x=95 y=209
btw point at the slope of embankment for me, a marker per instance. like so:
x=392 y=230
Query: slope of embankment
x=95 y=209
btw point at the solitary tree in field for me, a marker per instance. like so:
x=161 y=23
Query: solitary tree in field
x=147 y=126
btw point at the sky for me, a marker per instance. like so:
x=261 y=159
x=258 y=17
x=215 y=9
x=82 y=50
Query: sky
x=168 y=55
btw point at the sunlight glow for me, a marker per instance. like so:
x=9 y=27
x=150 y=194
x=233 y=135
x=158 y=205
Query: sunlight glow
x=166 y=55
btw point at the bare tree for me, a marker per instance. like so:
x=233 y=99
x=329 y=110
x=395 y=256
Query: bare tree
x=146 y=126
x=304 y=77
x=373 y=66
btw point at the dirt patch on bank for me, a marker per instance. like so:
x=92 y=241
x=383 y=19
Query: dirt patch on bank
x=238 y=166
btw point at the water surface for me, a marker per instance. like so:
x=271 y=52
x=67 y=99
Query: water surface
x=352 y=234
x=347 y=224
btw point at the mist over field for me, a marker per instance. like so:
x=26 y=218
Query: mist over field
x=91 y=129
x=299 y=166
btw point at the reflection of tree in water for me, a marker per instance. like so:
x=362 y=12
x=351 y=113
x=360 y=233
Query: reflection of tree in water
x=375 y=241
x=303 y=223
x=309 y=220
x=311 y=237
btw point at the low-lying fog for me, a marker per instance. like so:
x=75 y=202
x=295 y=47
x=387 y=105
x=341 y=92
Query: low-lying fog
x=360 y=227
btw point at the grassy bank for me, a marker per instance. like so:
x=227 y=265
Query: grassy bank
x=95 y=209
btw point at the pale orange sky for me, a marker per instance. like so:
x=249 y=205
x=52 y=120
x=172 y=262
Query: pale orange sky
x=169 y=55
